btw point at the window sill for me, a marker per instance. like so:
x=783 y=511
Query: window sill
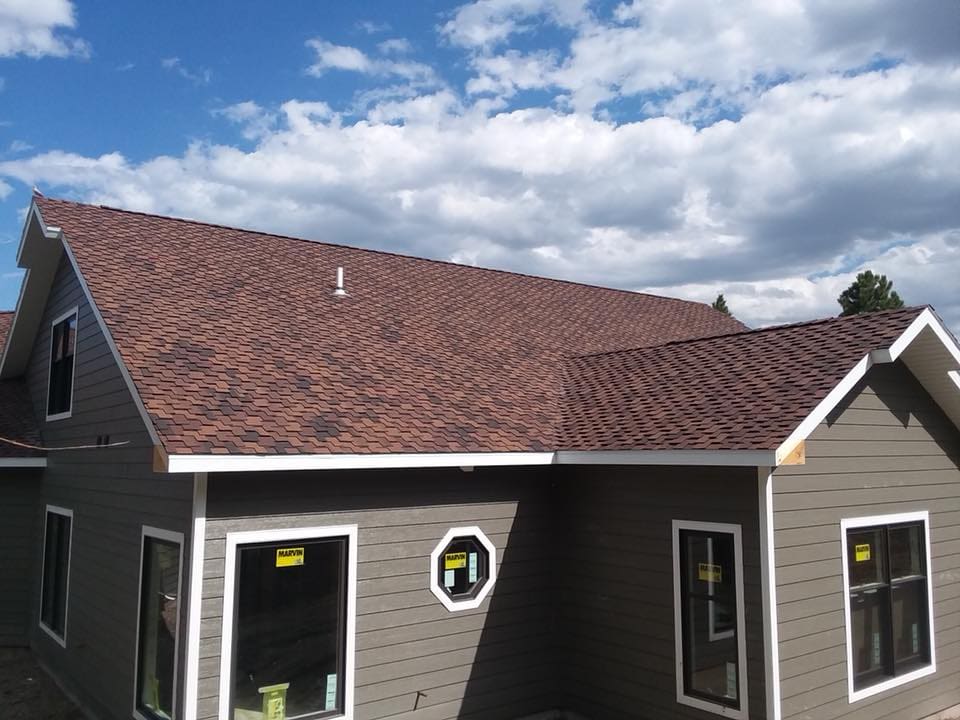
x=716 y=708
x=61 y=641
x=893 y=682
x=60 y=416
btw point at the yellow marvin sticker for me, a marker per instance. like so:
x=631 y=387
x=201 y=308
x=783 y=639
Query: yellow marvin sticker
x=709 y=573
x=861 y=552
x=454 y=561
x=289 y=557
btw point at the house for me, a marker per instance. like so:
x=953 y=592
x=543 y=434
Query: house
x=245 y=485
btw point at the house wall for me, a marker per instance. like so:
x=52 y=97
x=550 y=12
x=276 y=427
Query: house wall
x=493 y=662
x=19 y=499
x=887 y=449
x=615 y=576
x=113 y=492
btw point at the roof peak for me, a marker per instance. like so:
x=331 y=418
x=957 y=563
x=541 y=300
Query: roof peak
x=911 y=309
x=293 y=238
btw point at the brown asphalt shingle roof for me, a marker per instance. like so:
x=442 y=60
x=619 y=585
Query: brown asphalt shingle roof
x=237 y=344
x=16 y=412
x=744 y=391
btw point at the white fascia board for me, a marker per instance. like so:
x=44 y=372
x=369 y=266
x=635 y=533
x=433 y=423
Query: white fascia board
x=926 y=319
x=255 y=463
x=27 y=462
x=730 y=458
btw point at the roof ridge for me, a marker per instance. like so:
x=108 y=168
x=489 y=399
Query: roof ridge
x=754 y=331
x=450 y=263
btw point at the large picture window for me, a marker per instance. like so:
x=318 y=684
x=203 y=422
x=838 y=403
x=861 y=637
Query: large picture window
x=63 y=348
x=57 y=534
x=292 y=600
x=889 y=605
x=709 y=617
x=159 y=624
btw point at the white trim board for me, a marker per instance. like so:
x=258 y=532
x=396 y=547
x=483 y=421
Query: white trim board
x=198 y=536
x=474 y=602
x=262 y=463
x=768 y=585
x=27 y=462
x=731 y=529
x=234 y=539
x=172 y=537
x=892 y=519
x=65 y=512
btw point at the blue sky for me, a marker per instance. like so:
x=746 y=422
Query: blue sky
x=766 y=150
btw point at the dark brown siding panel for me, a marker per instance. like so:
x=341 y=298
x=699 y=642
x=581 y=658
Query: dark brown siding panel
x=492 y=662
x=19 y=500
x=887 y=449
x=615 y=575
x=113 y=492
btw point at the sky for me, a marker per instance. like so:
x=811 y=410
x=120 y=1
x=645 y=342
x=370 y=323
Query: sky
x=765 y=150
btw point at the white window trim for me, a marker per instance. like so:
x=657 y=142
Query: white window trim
x=65 y=512
x=235 y=539
x=743 y=712
x=893 y=519
x=76 y=351
x=470 y=603
x=173 y=537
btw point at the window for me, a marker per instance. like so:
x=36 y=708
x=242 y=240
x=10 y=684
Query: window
x=889 y=604
x=709 y=617
x=463 y=568
x=291 y=595
x=63 y=348
x=159 y=624
x=56 y=572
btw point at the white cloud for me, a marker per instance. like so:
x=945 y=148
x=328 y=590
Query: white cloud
x=35 y=28
x=199 y=76
x=778 y=207
x=20 y=146
x=486 y=23
x=395 y=46
x=330 y=56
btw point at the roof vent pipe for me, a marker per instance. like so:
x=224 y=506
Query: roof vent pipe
x=340 y=292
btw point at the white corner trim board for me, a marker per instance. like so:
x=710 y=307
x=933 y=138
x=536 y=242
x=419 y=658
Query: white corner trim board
x=892 y=519
x=235 y=539
x=198 y=535
x=768 y=584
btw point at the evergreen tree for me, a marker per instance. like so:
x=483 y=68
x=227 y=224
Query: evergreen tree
x=721 y=305
x=869 y=293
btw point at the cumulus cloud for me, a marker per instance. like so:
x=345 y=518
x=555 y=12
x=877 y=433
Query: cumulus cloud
x=37 y=28
x=329 y=56
x=835 y=167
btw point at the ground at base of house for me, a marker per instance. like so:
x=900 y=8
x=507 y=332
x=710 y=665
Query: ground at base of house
x=28 y=693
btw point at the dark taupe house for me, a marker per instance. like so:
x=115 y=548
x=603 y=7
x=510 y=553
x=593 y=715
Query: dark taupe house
x=237 y=484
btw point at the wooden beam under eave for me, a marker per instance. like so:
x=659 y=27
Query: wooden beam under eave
x=160 y=464
x=797 y=456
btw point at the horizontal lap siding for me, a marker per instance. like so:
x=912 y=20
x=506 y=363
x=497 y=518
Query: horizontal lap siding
x=887 y=449
x=19 y=499
x=615 y=577
x=113 y=492
x=492 y=662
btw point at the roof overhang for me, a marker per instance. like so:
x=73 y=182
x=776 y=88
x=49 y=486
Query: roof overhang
x=928 y=350
x=264 y=463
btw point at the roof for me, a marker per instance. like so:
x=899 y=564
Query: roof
x=17 y=420
x=742 y=391
x=236 y=343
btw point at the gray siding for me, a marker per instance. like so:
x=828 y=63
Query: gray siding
x=113 y=493
x=19 y=499
x=615 y=570
x=492 y=662
x=888 y=449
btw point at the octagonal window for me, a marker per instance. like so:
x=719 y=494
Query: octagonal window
x=463 y=568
